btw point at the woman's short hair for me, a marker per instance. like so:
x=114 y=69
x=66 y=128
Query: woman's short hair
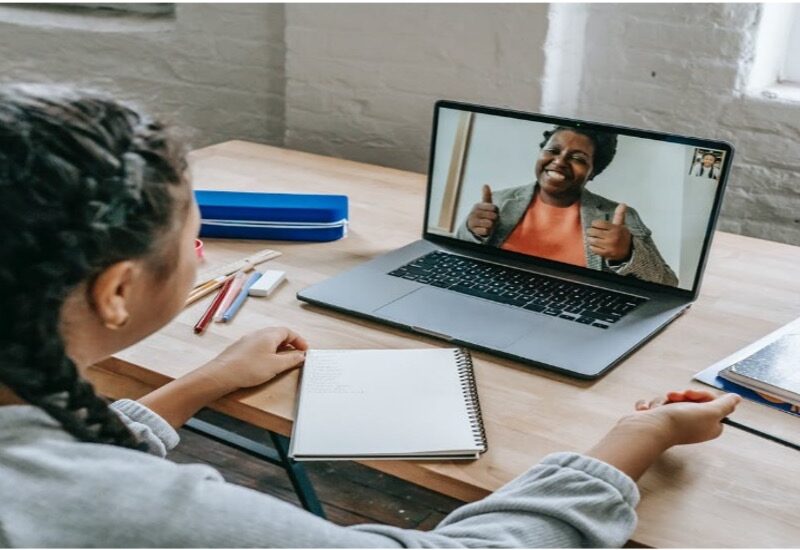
x=605 y=145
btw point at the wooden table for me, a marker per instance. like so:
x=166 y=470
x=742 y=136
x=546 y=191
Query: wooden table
x=738 y=490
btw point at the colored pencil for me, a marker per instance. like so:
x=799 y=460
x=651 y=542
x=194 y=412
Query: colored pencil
x=206 y=289
x=230 y=296
x=213 y=277
x=237 y=303
x=212 y=308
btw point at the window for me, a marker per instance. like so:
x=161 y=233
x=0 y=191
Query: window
x=775 y=71
x=141 y=9
x=791 y=66
x=151 y=17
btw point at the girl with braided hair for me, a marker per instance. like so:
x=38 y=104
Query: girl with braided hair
x=97 y=225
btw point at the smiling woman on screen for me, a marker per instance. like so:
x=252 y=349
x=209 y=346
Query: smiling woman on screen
x=555 y=217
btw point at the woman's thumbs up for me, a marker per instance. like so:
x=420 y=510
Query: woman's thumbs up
x=484 y=215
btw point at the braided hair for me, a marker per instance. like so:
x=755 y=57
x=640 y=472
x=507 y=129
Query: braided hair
x=85 y=182
x=605 y=145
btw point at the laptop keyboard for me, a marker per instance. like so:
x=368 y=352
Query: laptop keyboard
x=583 y=304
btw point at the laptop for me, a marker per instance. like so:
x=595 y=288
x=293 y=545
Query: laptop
x=561 y=243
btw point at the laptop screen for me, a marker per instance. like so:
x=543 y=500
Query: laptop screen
x=630 y=203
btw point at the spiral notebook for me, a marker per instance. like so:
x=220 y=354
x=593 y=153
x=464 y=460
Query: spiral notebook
x=388 y=404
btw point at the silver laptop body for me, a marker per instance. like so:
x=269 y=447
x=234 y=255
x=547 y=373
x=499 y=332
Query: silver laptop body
x=455 y=286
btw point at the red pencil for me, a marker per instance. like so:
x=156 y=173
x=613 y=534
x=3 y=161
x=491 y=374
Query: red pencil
x=212 y=308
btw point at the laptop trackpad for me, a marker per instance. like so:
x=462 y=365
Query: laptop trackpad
x=458 y=316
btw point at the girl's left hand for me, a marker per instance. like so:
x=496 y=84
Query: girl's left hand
x=257 y=358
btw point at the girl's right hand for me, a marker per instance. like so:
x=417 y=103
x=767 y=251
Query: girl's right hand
x=688 y=416
x=678 y=418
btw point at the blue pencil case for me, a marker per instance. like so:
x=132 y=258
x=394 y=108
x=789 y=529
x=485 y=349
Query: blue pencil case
x=272 y=216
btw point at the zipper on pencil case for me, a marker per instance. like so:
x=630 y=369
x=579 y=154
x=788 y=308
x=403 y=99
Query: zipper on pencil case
x=276 y=225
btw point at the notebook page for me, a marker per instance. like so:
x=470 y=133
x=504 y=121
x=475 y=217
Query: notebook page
x=355 y=402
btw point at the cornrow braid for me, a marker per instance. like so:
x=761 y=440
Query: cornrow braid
x=85 y=182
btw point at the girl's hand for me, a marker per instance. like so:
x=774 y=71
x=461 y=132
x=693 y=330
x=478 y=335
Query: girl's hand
x=252 y=360
x=257 y=358
x=689 y=416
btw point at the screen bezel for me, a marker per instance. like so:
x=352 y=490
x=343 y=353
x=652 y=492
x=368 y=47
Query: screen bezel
x=622 y=130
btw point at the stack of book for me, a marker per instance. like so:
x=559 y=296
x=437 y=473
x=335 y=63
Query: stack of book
x=773 y=371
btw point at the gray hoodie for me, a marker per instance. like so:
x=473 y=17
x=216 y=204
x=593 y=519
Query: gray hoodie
x=59 y=492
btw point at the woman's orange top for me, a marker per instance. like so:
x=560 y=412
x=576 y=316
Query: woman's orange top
x=549 y=232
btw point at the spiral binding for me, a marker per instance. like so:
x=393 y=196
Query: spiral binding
x=466 y=375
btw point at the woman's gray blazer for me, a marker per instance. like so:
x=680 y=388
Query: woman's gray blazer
x=645 y=263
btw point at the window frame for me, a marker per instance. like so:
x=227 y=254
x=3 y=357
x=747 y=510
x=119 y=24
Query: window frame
x=767 y=78
x=790 y=70
x=151 y=8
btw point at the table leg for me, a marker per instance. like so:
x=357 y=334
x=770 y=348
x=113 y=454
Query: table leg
x=297 y=475
x=278 y=456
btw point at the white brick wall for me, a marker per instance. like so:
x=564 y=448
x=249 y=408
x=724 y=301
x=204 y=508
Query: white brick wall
x=362 y=79
x=216 y=70
x=683 y=69
x=359 y=80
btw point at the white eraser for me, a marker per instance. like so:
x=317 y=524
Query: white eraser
x=268 y=282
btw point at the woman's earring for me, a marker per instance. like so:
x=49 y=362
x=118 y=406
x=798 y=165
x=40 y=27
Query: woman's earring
x=116 y=326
